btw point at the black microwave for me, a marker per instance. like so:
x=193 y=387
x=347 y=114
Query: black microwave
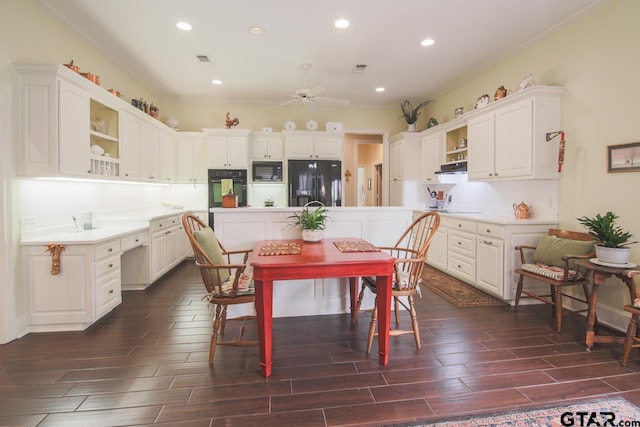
x=267 y=171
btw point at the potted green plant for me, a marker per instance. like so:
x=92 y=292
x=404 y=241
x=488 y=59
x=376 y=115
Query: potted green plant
x=312 y=220
x=611 y=240
x=410 y=113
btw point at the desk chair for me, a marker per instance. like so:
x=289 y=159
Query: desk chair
x=410 y=252
x=226 y=283
x=552 y=264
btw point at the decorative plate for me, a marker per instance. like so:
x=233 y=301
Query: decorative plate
x=610 y=264
x=482 y=101
x=289 y=125
x=312 y=125
x=527 y=82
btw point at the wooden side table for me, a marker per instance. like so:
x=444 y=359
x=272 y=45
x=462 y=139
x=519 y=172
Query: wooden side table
x=599 y=275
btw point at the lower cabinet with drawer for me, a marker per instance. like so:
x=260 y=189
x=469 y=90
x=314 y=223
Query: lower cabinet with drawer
x=461 y=249
x=482 y=253
x=87 y=287
x=144 y=265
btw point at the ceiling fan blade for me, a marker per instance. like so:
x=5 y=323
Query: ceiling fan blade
x=334 y=101
x=312 y=93
x=289 y=102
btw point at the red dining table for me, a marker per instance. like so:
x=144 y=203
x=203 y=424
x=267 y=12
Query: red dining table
x=295 y=259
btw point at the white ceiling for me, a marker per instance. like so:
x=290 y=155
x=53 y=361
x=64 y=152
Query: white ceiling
x=385 y=35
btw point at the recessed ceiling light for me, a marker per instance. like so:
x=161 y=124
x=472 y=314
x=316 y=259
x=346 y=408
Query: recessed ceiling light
x=256 y=30
x=185 y=26
x=216 y=82
x=379 y=89
x=341 y=23
x=427 y=42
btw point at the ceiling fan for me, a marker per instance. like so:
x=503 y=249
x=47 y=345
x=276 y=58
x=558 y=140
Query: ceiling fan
x=309 y=96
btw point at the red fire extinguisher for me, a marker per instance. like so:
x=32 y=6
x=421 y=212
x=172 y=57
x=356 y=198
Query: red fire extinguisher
x=561 y=152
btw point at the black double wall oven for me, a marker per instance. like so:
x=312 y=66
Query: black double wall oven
x=220 y=181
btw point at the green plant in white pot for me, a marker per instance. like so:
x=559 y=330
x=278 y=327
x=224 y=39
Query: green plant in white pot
x=410 y=113
x=312 y=221
x=611 y=240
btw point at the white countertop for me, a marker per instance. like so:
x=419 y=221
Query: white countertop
x=475 y=215
x=110 y=227
x=96 y=235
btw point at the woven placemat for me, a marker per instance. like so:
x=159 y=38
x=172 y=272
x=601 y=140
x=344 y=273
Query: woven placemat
x=355 y=246
x=280 y=248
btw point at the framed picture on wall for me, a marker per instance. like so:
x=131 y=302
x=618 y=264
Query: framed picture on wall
x=624 y=157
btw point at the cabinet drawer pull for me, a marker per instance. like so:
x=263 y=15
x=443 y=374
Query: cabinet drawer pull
x=459 y=243
x=488 y=230
x=459 y=225
x=459 y=266
x=137 y=240
x=110 y=249
x=486 y=242
x=110 y=265
x=110 y=291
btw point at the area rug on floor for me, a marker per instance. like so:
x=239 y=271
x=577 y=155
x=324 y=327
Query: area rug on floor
x=456 y=292
x=612 y=411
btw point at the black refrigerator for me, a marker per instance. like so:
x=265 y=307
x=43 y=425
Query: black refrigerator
x=315 y=180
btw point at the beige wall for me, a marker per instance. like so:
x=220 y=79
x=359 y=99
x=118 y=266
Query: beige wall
x=595 y=58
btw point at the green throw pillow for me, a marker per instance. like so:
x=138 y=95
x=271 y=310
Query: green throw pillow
x=207 y=239
x=550 y=250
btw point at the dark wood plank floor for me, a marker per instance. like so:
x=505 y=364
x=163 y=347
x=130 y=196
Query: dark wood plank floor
x=146 y=363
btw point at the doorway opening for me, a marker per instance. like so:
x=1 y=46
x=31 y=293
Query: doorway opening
x=363 y=151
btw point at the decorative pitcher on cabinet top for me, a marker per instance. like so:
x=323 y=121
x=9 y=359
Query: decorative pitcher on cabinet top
x=522 y=210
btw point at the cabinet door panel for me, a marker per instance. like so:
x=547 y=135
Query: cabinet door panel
x=513 y=140
x=237 y=152
x=217 y=152
x=299 y=147
x=73 y=130
x=328 y=147
x=149 y=156
x=430 y=157
x=63 y=298
x=130 y=146
x=489 y=265
x=481 y=147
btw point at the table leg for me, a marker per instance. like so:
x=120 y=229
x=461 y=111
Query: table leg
x=591 y=317
x=353 y=293
x=383 y=285
x=264 y=312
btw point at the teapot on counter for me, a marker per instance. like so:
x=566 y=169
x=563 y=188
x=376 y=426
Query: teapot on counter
x=522 y=210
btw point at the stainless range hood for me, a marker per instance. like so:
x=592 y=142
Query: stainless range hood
x=452 y=168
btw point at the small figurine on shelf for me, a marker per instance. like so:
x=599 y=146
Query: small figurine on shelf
x=154 y=110
x=231 y=122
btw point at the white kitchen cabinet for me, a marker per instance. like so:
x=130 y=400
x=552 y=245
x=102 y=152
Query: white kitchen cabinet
x=267 y=146
x=73 y=120
x=314 y=145
x=129 y=146
x=149 y=152
x=62 y=115
x=87 y=287
x=437 y=255
x=167 y=156
x=191 y=162
x=227 y=148
x=490 y=258
x=59 y=111
x=461 y=244
x=507 y=139
x=482 y=253
x=164 y=245
x=405 y=186
x=430 y=156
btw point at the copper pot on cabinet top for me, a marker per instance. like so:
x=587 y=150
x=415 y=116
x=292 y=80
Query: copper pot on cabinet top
x=522 y=210
x=91 y=77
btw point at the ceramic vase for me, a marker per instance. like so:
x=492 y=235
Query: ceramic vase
x=613 y=255
x=312 y=235
x=411 y=127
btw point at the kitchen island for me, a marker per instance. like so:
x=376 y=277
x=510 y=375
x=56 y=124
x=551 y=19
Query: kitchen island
x=241 y=228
